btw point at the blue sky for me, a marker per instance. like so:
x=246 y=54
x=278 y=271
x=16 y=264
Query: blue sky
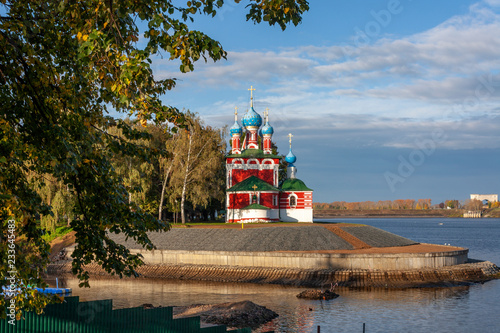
x=386 y=99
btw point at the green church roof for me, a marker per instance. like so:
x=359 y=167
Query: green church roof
x=252 y=184
x=253 y=153
x=294 y=184
x=256 y=206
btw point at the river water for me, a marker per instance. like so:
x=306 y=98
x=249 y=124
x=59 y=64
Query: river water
x=460 y=309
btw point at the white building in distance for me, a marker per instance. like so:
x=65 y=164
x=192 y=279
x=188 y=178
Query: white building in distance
x=489 y=197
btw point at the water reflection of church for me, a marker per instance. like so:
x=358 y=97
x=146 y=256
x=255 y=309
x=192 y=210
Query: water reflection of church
x=253 y=192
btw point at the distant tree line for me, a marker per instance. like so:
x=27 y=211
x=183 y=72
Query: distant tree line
x=382 y=204
x=406 y=204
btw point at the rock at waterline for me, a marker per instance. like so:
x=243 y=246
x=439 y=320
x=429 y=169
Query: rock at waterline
x=317 y=294
x=232 y=314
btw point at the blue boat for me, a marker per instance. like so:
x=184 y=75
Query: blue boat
x=51 y=291
x=54 y=291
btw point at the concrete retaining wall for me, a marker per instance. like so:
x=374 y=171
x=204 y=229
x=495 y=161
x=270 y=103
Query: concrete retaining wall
x=431 y=277
x=301 y=260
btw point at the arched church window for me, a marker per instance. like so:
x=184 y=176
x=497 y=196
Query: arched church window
x=293 y=201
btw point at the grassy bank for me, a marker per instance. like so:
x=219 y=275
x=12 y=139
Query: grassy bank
x=58 y=233
x=495 y=212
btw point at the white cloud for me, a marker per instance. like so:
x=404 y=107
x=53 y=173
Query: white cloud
x=462 y=46
x=493 y=3
x=384 y=93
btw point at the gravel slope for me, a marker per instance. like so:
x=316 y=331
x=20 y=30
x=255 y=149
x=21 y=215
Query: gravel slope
x=258 y=239
x=376 y=237
x=300 y=238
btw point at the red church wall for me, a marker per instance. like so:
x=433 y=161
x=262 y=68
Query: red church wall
x=301 y=197
x=239 y=175
x=266 y=199
x=238 y=201
x=308 y=200
x=235 y=143
x=241 y=200
x=267 y=143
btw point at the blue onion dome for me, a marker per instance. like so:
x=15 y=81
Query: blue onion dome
x=267 y=129
x=235 y=129
x=252 y=119
x=290 y=158
x=260 y=132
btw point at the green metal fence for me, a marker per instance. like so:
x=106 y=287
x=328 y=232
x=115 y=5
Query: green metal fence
x=73 y=316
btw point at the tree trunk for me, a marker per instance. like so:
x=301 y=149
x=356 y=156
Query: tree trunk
x=130 y=182
x=163 y=190
x=184 y=185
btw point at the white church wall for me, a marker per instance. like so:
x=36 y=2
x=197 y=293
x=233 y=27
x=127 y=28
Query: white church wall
x=252 y=215
x=296 y=215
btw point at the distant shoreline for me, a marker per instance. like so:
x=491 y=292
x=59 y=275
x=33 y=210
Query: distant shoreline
x=396 y=213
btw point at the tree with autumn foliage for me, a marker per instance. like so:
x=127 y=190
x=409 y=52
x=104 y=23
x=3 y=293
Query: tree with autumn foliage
x=423 y=204
x=197 y=158
x=64 y=65
x=452 y=204
x=473 y=204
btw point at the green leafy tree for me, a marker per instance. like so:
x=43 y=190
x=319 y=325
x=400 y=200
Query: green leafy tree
x=136 y=173
x=63 y=66
x=198 y=156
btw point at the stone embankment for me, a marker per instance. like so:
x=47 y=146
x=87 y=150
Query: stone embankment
x=312 y=255
x=465 y=274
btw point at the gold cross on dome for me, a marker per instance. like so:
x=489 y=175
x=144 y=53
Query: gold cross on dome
x=290 y=139
x=252 y=89
x=235 y=113
x=254 y=187
x=266 y=115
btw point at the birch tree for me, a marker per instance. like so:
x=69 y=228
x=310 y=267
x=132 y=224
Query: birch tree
x=165 y=170
x=198 y=158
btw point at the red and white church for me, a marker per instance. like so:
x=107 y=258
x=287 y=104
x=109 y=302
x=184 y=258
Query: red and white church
x=253 y=192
